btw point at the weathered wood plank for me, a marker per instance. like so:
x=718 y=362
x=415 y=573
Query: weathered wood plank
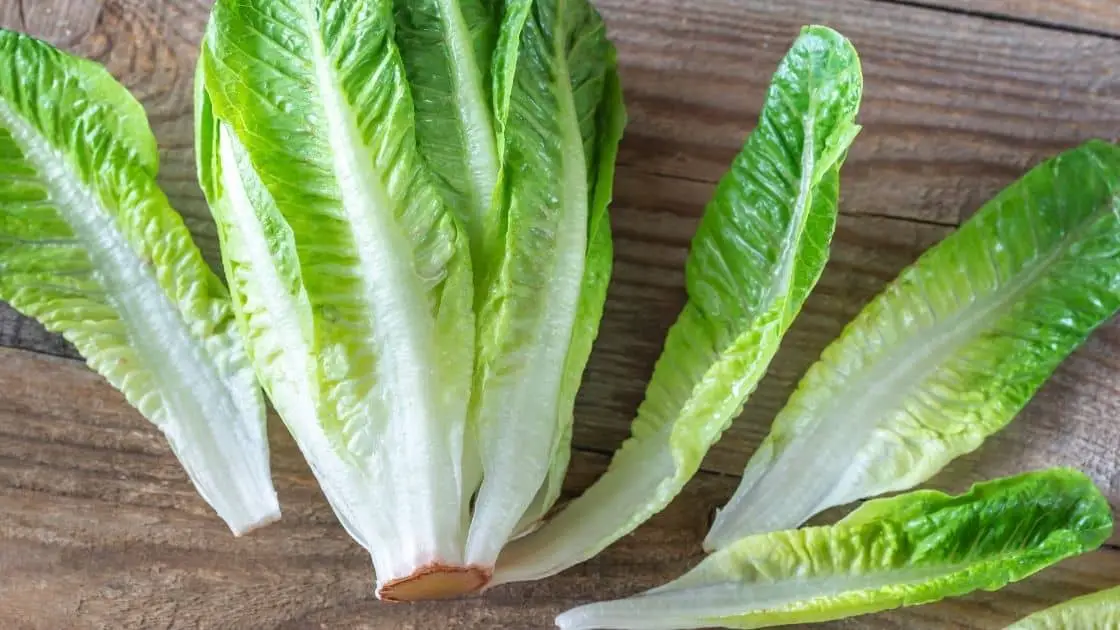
x=17 y=331
x=954 y=108
x=102 y=529
x=1099 y=16
x=11 y=16
x=64 y=22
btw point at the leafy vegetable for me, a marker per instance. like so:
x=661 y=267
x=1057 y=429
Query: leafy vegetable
x=90 y=246
x=446 y=46
x=904 y=551
x=340 y=146
x=949 y=353
x=559 y=117
x=351 y=278
x=759 y=250
x=1098 y=611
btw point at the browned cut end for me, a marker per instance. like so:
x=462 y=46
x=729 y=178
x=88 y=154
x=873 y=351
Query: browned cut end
x=436 y=581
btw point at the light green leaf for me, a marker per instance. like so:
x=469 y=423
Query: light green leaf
x=760 y=248
x=90 y=246
x=948 y=353
x=559 y=117
x=904 y=551
x=447 y=46
x=1098 y=611
x=352 y=278
x=596 y=278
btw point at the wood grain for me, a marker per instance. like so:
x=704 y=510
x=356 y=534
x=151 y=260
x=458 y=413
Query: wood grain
x=954 y=108
x=101 y=528
x=1090 y=15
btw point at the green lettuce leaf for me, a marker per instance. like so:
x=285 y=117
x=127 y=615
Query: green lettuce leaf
x=1097 y=611
x=948 y=353
x=90 y=246
x=446 y=46
x=559 y=118
x=593 y=295
x=759 y=250
x=351 y=277
x=904 y=551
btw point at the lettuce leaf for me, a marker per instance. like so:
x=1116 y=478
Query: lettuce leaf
x=412 y=201
x=904 y=551
x=351 y=277
x=90 y=246
x=446 y=47
x=948 y=353
x=593 y=295
x=559 y=119
x=759 y=250
x=1097 y=611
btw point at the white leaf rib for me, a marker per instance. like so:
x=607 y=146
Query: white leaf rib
x=849 y=420
x=223 y=451
x=411 y=475
x=521 y=415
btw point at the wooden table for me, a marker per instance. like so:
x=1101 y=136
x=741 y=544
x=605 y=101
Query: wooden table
x=100 y=527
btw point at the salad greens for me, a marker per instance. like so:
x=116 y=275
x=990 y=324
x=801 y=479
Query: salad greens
x=903 y=551
x=760 y=248
x=948 y=353
x=351 y=279
x=412 y=202
x=90 y=246
x=446 y=47
x=1098 y=611
x=559 y=119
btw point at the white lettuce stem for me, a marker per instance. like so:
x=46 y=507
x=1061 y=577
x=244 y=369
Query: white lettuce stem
x=229 y=471
x=520 y=413
x=219 y=439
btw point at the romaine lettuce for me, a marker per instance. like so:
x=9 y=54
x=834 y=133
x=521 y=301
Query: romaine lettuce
x=904 y=551
x=351 y=279
x=411 y=198
x=759 y=250
x=559 y=118
x=948 y=353
x=90 y=246
x=447 y=47
x=1097 y=611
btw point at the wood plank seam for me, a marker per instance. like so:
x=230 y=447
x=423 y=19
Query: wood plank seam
x=21 y=14
x=1001 y=17
x=917 y=220
x=680 y=177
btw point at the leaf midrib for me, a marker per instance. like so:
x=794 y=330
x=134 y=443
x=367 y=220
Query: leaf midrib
x=517 y=402
x=388 y=282
x=155 y=328
x=778 y=291
x=198 y=410
x=743 y=600
x=292 y=383
x=409 y=471
x=912 y=362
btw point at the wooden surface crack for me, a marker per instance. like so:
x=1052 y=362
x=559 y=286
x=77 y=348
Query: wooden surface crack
x=1050 y=19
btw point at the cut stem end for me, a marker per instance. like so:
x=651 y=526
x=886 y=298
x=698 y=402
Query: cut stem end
x=436 y=581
